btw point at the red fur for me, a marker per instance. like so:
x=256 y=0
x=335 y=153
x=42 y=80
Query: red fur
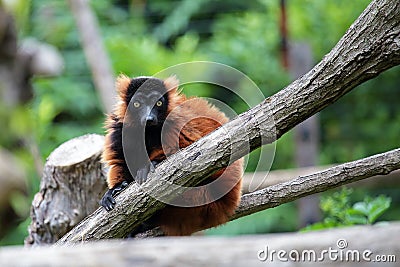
x=192 y=118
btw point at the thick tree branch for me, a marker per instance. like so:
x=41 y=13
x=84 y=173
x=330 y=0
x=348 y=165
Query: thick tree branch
x=370 y=46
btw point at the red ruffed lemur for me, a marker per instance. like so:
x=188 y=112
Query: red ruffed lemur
x=157 y=121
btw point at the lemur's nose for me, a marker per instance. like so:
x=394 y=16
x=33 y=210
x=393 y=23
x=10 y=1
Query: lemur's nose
x=151 y=120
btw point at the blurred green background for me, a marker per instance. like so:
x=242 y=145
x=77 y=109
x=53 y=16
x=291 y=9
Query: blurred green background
x=144 y=37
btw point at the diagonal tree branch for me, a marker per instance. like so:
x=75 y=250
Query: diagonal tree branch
x=369 y=47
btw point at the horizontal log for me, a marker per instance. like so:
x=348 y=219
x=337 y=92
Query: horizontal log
x=341 y=246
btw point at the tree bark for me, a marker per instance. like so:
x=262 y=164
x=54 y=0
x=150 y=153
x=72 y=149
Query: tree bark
x=223 y=251
x=70 y=189
x=370 y=46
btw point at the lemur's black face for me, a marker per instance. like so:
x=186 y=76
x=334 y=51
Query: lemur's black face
x=148 y=101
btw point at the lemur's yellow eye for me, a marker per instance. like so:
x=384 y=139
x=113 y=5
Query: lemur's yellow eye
x=136 y=104
x=159 y=103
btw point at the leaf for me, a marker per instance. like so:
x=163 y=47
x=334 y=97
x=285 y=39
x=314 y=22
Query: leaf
x=377 y=207
x=361 y=208
x=356 y=219
x=371 y=208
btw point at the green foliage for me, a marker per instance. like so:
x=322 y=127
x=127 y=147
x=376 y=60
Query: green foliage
x=51 y=23
x=17 y=236
x=354 y=127
x=64 y=108
x=322 y=23
x=20 y=10
x=257 y=33
x=144 y=56
x=178 y=19
x=339 y=211
x=368 y=211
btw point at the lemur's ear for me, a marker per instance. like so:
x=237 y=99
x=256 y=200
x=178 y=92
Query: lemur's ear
x=174 y=97
x=171 y=84
x=122 y=85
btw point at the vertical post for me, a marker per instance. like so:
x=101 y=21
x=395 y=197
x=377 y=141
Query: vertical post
x=284 y=39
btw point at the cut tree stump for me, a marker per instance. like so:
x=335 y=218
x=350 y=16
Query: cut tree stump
x=72 y=184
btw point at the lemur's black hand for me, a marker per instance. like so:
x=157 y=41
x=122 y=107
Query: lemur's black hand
x=108 y=201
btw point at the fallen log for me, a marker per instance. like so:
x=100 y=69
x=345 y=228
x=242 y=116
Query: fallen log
x=336 y=247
